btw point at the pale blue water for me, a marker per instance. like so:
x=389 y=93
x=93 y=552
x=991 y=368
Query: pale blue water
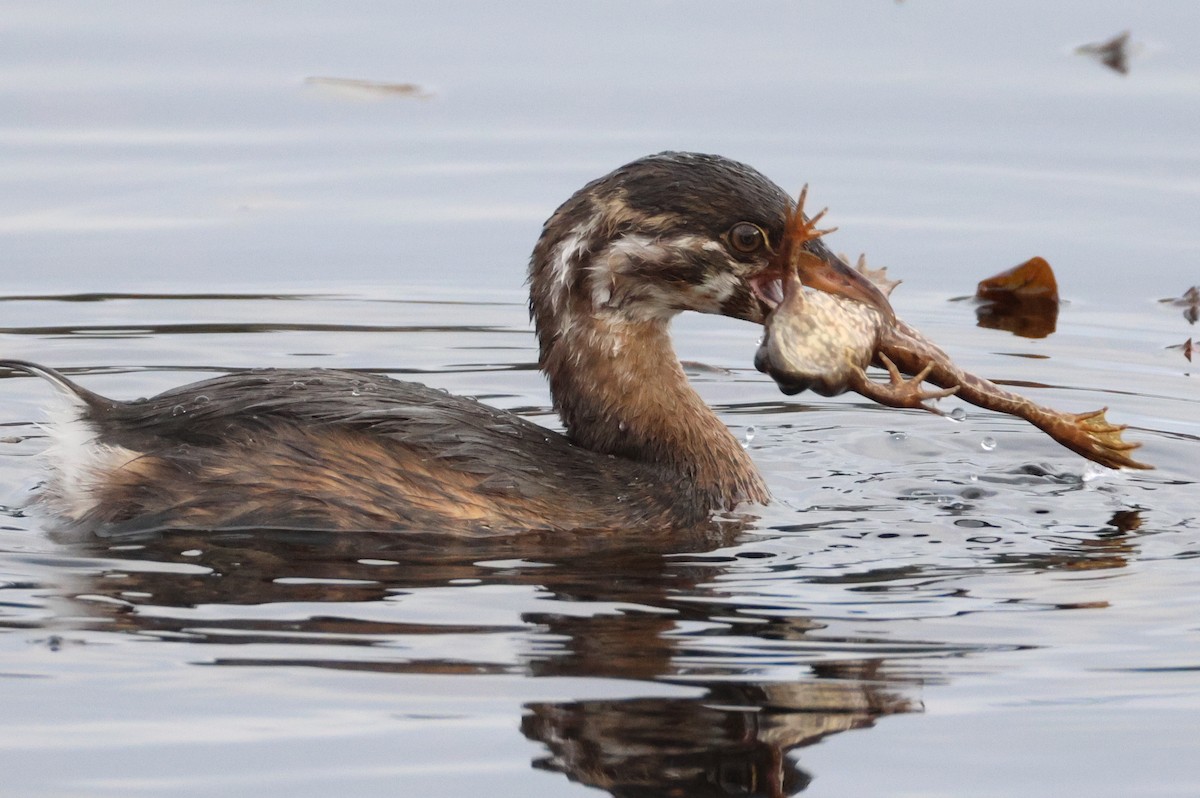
x=916 y=614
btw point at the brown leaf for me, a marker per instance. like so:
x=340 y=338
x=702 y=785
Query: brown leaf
x=1113 y=53
x=1033 y=278
x=1187 y=347
x=1022 y=300
x=1189 y=301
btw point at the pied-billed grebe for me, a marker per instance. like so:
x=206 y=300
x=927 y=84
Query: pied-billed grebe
x=346 y=450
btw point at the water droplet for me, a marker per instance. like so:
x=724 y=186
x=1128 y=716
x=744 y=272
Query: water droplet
x=750 y=430
x=200 y=400
x=899 y=437
x=988 y=444
x=973 y=478
x=355 y=392
x=621 y=426
x=958 y=414
x=761 y=338
x=191 y=553
x=297 y=384
x=1093 y=471
x=178 y=410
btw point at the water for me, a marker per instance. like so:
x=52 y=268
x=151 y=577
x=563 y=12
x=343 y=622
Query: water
x=918 y=613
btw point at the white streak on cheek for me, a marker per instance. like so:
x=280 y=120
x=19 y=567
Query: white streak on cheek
x=567 y=255
x=609 y=265
x=717 y=289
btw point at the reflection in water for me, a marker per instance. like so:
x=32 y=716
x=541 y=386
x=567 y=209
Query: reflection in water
x=733 y=741
x=348 y=592
x=1034 y=317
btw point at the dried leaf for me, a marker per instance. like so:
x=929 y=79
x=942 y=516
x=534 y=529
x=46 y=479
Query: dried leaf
x=877 y=276
x=1033 y=278
x=1189 y=301
x=1187 y=347
x=367 y=89
x=1113 y=53
x=1022 y=300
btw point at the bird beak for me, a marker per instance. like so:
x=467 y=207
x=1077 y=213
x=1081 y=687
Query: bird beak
x=803 y=253
x=824 y=271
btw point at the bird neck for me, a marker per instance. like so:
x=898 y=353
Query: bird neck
x=620 y=390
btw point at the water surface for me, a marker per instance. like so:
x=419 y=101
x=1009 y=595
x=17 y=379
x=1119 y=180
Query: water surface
x=930 y=607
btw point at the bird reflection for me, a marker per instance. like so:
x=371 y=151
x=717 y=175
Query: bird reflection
x=727 y=732
x=733 y=741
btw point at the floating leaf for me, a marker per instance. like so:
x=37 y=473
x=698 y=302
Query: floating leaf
x=1189 y=301
x=1022 y=300
x=1113 y=53
x=367 y=89
x=1033 y=278
x=1188 y=348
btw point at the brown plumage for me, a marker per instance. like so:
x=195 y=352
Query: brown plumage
x=342 y=450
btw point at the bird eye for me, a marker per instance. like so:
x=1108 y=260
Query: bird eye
x=746 y=237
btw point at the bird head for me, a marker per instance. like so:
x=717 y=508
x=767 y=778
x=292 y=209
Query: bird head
x=674 y=232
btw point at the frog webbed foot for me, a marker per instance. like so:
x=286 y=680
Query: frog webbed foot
x=1095 y=438
x=899 y=391
x=802 y=229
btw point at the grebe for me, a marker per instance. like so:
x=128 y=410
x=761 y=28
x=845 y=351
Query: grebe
x=342 y=450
